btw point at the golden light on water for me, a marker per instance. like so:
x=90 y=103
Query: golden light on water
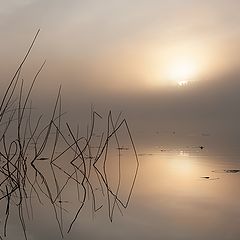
x=181 y=166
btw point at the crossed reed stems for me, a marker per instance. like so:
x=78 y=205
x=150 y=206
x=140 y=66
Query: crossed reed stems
x=29 y=145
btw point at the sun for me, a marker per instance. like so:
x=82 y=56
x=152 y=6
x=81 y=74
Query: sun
x=178 y=65
x=182 y=71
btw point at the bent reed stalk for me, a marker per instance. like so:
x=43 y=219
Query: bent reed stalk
x=27 y=144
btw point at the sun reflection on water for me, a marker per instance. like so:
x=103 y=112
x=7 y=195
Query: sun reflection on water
x=182 y=165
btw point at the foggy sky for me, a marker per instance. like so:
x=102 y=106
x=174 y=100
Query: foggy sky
x=101 y=54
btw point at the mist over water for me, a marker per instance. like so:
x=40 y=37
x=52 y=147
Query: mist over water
x=182 y=191
x=118 y=59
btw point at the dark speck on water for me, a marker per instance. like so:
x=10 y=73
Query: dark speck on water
x=43 y=158
x=123 y=148
x=145 y=154
x=210 y=178
x=227 y=171
x=232 y=171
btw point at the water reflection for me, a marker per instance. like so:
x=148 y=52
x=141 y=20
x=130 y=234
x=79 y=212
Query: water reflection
x=183 y=205
x=171 y=200
x=182 y=165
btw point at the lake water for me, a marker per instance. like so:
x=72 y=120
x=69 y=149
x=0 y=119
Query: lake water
x=181 y=193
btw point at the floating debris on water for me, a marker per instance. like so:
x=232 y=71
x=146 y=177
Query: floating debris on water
x=210 y=178
x=201 y=147
x=61 y=201
x=232 y=171
x=145 y=154
x=123 y=148
x=42 y=158
x=227 y=171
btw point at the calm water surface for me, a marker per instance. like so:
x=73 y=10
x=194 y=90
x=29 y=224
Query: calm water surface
x=180 y=194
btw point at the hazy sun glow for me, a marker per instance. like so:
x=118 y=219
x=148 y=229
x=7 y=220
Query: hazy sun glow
x=180 y=64
x=182 y=71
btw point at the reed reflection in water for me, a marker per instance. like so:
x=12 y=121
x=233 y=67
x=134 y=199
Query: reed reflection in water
x=178 y=195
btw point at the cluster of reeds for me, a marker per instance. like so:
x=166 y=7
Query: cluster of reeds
x=39 y=160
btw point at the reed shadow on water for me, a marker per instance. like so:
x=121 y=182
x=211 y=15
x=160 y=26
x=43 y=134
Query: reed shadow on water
x=33 y=151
